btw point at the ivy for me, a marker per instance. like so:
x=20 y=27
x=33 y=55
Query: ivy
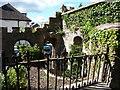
x=76 y=50
x=96 y=41
x=104 y=12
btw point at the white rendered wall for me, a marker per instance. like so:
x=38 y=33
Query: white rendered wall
x=13 y=23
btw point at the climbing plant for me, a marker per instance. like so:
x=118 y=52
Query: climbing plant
x=104 y=12
x=76 y=50
x=96 y=41
x=99 y=40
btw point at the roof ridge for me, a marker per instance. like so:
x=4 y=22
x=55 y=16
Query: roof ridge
x=11 y=13
x=8 y=6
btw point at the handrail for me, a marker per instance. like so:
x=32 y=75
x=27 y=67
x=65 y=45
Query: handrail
x=88 y=69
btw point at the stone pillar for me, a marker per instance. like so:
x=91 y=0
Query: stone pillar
x=115 y=75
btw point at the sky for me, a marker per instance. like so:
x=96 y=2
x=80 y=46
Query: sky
x=39 y=11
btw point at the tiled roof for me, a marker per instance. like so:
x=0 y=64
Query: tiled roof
x=10 y=13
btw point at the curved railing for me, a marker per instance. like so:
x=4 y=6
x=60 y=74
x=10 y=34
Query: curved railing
x=82 y=71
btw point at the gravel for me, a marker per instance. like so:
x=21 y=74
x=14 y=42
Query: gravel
x=43 y=79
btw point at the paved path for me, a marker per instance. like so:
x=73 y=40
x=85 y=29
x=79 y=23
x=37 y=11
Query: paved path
x=99 y=86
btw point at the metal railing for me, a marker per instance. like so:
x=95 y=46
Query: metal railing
x=83 y=71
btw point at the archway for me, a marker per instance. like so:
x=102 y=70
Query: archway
x=20 y=42
x=77 y=41
x=50 y=44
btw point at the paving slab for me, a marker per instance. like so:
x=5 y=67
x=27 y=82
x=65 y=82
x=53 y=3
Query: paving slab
x=99 y=86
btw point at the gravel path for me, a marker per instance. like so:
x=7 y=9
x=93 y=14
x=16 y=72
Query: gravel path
x=43 y=79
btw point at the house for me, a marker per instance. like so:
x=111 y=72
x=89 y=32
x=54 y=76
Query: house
x=11 y=17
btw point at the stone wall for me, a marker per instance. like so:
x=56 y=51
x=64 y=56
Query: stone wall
x=115 y=70
x=70 y=36
x=39 y=37
x=9 y=39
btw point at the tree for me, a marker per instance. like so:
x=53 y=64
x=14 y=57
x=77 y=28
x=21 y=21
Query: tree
x=80 y=5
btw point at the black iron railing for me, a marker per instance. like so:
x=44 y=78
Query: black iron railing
x=83 y=71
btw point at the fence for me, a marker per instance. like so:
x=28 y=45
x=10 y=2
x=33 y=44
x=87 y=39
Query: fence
x=80 y=72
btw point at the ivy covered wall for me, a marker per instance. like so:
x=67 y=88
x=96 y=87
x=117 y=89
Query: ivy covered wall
x=101 y=13
x=95 y=40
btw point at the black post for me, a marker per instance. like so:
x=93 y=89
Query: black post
x=64 y=64
x=47 y=71
x=28 y=69
x=95 y=58
x=80 y=66
x=38 y=77
x=77 y=71
x=63 y=73
x=4 y=69
x=17 y=71
x=83 y=68
x=71 y=61
x=56 y=74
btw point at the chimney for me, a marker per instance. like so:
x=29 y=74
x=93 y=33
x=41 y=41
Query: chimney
x=25 y=14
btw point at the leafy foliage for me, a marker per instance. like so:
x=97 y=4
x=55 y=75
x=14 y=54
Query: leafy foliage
x=74 y=68
x=80 y=5
x=1 y=80
x=60 y=32
x=35 y=51
x=75 y=50
x=104 y=12
x=12 y=78
x=96 y=41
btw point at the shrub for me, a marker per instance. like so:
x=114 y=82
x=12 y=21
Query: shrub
x=12 y=78
x=75 y=50
x=74 y=72
x=35 y=51
x=1 y=80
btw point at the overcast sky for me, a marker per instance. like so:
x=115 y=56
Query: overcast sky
x=40 y=10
